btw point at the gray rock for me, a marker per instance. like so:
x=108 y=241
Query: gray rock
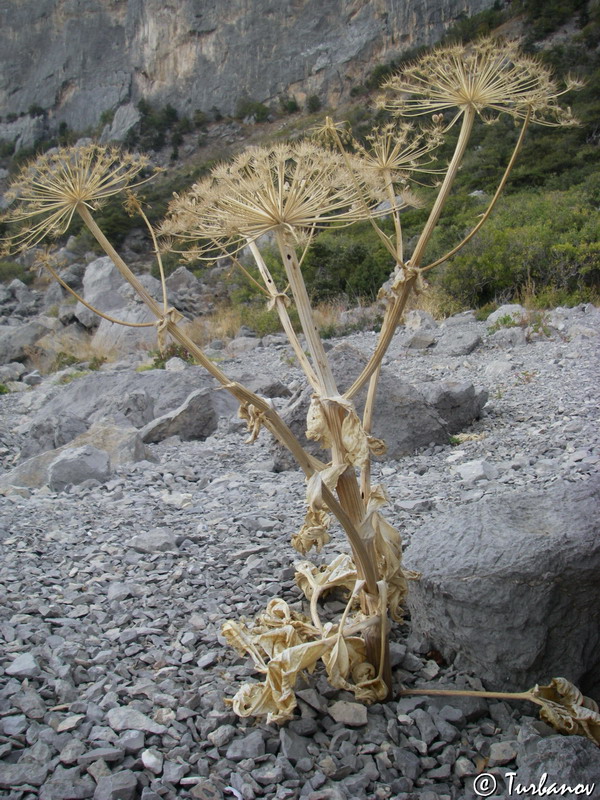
x=458 y=342
x=569 y=761
x=157 y=540
x=13 y=775
x=126 y=718
x=24 y=666
x=12 y=371
x=475 y=471
x=515 y=311
x=15 y=340
x=51 y=433
x=195 y=418
x=481 y=573
x=250 y=746
x=352 y=714
x=120 y=446
x=115 y=340
x=457 y=402
x=417 y=320
x=402 y=417
x=78 y=464
x=118 y=786
x=293 y=746
x=509 y=337
x=68 y=789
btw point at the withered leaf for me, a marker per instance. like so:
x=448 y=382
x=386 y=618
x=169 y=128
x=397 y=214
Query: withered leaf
x=567 y=710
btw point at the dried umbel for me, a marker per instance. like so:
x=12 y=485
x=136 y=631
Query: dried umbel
x=294 y=188
x=489 y=77
x=47 y=193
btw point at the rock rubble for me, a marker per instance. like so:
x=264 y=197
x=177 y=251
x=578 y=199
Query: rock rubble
x=114 y=675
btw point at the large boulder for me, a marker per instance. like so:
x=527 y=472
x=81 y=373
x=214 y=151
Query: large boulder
x=567 y=761
x=406 y=416
x=195 y=418
x=16 y=340
x=510 y=584
x=457 y=402
x=122 y=398
x=96 y=453
x=102 y=288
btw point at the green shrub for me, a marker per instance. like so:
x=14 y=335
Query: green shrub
x=63 y=360
x=313 y=103
x=549 y=240
x=172 y=350
x=9 y=270
x=251 y=108
x=4 y=389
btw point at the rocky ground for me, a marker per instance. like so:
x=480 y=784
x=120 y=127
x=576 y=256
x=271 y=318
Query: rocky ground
x=114 y=677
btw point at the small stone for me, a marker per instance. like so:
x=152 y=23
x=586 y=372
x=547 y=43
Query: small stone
x=125 y=718
x=205 y=790
x=152 y=760
x=173 y=772
x=353 y=714
x=24 y=666
x=118 y=591
x=502 y=753
x=14 y=725
x=98 y=770
x=69 y=723
x=157 y=540
x=118 y=786
x=250 y=746
x=464 y=767
x=13 y=775
x=221 y=735
x=293 y=746
x=425 y=724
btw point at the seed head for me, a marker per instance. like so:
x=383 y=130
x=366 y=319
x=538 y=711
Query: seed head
x=399 y=149
x=47 y=192
x=295 y=187
x=491 y=76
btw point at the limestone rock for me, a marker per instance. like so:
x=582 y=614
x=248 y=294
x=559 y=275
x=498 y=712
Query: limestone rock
x=512 y=584
x=195 y=418
x=77 y=464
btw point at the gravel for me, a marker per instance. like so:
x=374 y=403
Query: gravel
x=114 y=676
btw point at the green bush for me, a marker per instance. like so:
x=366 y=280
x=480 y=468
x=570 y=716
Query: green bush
x=4 y=389
x=313 y=103
x=251 y=108
x=9 y=270
x=549 y=241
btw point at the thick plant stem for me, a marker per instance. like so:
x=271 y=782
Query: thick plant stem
x=493 y=201
x=313 y=340
x=395 y=311
x=472 y=693
x=365 y=475
x=282 y=313
x=440 y=201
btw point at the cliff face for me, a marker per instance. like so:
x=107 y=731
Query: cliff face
x=78 y=58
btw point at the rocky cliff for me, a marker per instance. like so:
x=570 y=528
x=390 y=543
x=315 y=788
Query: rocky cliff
x=75 y=59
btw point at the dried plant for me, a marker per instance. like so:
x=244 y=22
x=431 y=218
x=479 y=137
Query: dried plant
x=289 y=192
x=561 y=705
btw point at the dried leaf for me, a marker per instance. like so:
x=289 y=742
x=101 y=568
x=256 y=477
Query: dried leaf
x=311 y=578
x=356 y=442
x=254 y=419
x=317 y=427
x=314 y=532
x=275 y=696
x=567 y=710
